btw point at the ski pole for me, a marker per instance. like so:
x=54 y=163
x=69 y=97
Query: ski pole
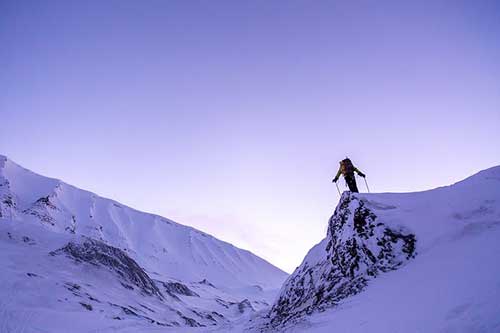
x=338 y=188
x=366 y=183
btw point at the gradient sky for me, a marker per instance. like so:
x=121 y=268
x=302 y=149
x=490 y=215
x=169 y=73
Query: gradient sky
x=231 y=116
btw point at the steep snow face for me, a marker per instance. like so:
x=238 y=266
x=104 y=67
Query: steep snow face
x=429 y=241
x=165 y=249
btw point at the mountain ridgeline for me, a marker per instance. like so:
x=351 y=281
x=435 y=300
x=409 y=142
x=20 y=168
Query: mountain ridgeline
x=402 y=262
x=161 y=246
x=74 y=260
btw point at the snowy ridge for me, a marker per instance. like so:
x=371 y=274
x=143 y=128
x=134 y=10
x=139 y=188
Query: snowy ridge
x=75 y=262
x=164 y=248
x=437 y=242
x=390 y=262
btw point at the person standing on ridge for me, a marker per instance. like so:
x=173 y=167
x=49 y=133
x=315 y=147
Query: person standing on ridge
x=347 y=169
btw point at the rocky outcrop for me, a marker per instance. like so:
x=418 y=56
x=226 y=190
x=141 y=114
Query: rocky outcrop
x=7 y=201
x=357 y=248
x=42 y=210
x=98 y=253
x=173 y=288
x=245 y=306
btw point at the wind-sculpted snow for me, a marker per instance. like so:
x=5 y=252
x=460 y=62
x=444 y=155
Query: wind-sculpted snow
x=358 y=248
x=97 y=253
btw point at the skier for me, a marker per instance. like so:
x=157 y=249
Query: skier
x=347 y=170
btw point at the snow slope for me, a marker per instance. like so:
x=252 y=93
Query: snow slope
x=450 y=282
x=164 y=248
x=75 y=262
x=392 y=262
x=60 y=282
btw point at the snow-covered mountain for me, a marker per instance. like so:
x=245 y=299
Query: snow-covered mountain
x=164 y=248
x=65 y=251
x=391 y=262
x=402 y=262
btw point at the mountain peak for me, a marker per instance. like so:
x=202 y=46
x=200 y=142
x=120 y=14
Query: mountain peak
x=447 y=230
x=358 y=247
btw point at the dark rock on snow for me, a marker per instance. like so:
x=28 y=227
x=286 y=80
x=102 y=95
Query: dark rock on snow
x=357 y=248
x=98 y=253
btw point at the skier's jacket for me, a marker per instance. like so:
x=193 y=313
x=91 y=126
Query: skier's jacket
x=347 y=169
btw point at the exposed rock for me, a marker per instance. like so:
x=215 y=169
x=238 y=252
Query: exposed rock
x=100 y=254
x=245 y=306
x=207 y=283
x=41 y=209
x=72 y=228
x=178 y=288
x=28 y=240
x=90 y=297
x=134 y=312
x=8 y=201
x=86 y=306
x=127 y=286
x=74 y=288
x=189 y=321
x=45 y=202
x=147 y=308
x=357 y=248
x=223 y=302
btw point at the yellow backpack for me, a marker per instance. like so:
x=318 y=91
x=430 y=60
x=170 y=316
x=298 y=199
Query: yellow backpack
x=346 y=167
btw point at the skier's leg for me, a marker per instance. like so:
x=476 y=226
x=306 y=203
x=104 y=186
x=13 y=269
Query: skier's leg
x=351 y=183
x=354 y=185
x=348 y=181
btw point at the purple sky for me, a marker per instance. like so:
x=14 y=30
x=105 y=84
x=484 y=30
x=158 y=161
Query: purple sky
x=231 y=116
